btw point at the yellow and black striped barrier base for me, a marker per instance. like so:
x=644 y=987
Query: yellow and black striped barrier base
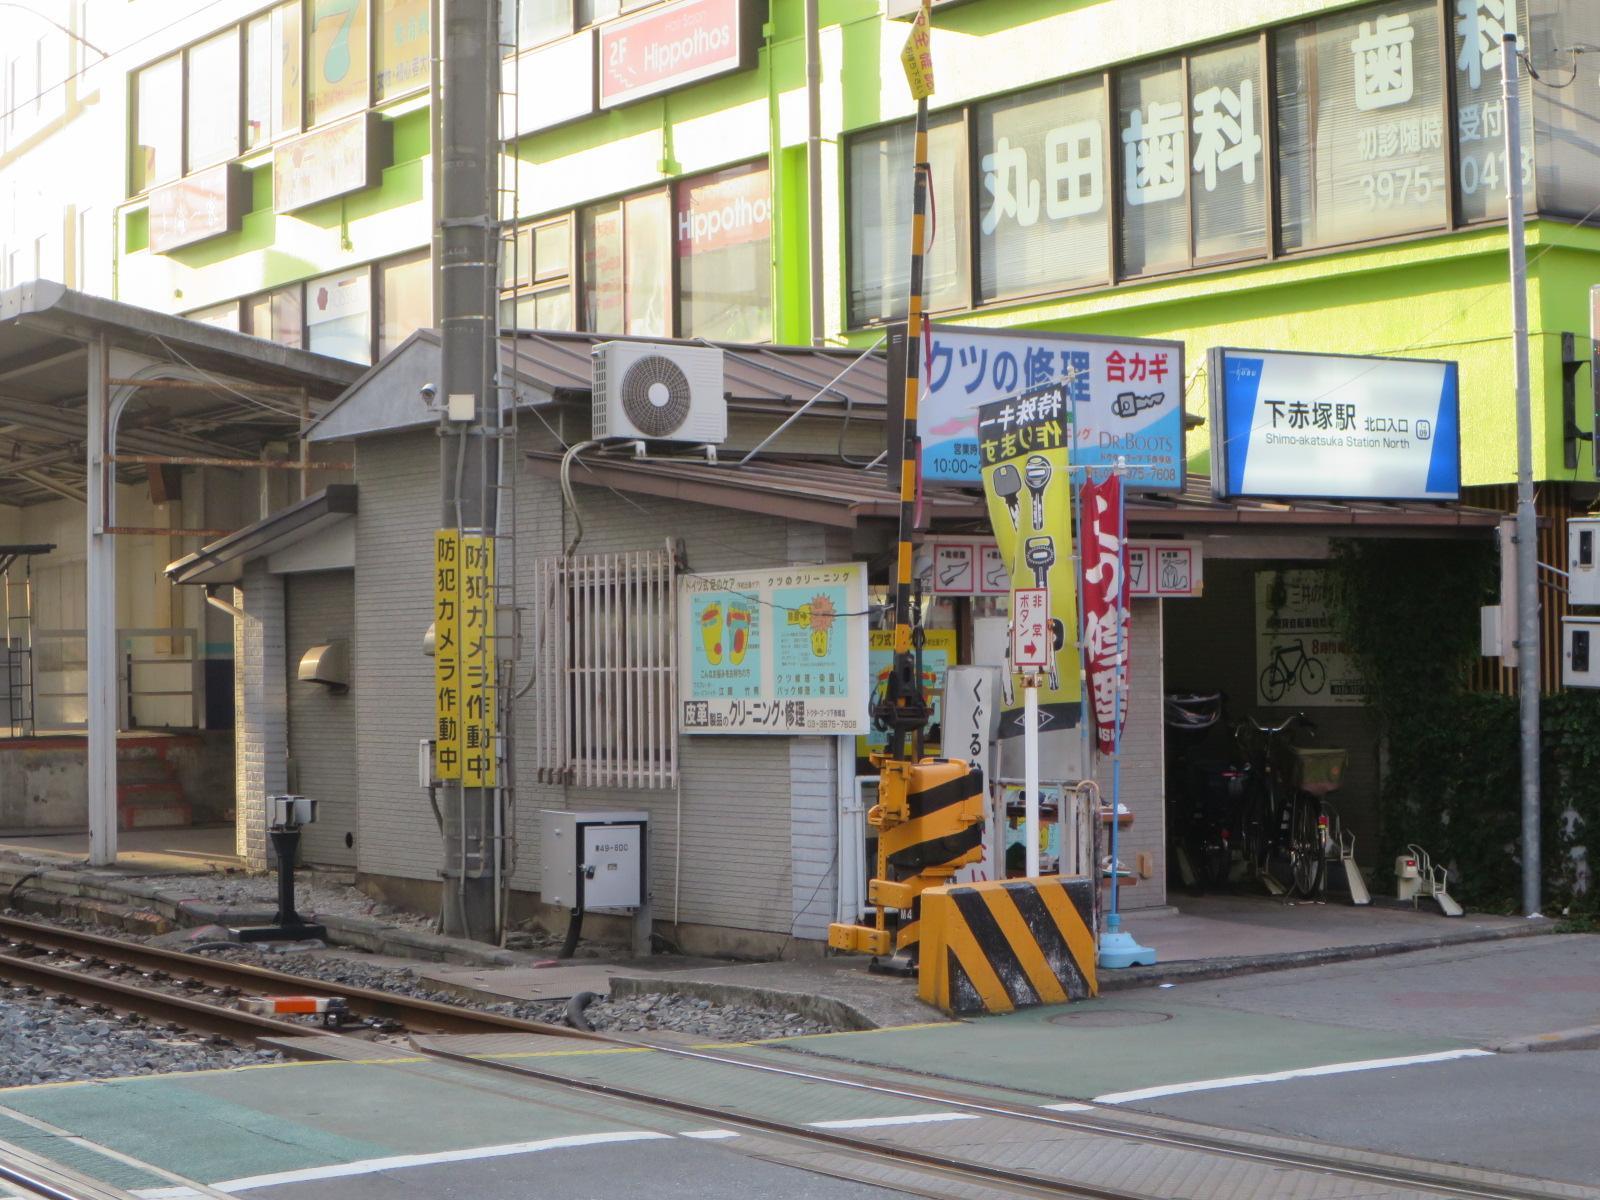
x=1007 y=944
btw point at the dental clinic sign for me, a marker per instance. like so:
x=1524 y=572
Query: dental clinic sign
x=1333 y=426
x=670 y=47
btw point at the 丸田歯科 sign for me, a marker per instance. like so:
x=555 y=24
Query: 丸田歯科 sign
x=1334 y=426
x=1124 y=399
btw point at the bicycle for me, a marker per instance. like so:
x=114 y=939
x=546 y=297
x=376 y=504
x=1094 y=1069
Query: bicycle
x=1288 y=816
x=1291 y=664
x=1205 y=795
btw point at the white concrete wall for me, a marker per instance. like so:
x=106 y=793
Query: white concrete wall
x=261 y=710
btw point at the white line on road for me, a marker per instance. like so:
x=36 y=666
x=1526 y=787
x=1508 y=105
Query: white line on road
x=1069 y=1106
x=709 y=1135
x=370 y=1166
x=1233 y=1081
x=909 y=1119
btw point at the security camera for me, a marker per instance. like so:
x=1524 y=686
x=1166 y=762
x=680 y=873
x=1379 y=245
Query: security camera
x=429 y=393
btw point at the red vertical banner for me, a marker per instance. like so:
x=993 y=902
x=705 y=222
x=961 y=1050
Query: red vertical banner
x=1106 y=628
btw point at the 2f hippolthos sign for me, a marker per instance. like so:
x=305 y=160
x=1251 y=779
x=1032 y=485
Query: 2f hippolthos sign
x=1333 y=426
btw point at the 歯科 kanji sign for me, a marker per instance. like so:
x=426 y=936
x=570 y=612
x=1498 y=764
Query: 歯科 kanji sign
x=1106 y=631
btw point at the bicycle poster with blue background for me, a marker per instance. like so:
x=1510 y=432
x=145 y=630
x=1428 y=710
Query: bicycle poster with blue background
x=1302 y=656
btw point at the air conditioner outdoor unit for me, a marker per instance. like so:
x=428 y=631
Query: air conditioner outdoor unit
x=653 y=392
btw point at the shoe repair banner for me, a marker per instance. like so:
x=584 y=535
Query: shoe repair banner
x=1022 y=447
x=1106 y=628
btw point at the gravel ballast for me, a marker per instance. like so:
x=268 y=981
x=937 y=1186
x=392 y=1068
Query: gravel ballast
x=45 y=1041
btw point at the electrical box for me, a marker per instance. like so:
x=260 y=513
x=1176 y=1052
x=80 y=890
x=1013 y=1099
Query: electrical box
x=593 y=860
x=1580 y=651
x=1583 y=560
x=287 y=812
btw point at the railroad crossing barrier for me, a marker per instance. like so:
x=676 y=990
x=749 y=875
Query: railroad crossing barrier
x=1007 y=944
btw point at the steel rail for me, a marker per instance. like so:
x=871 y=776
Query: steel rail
x=36 y=1185
x=417 y=1015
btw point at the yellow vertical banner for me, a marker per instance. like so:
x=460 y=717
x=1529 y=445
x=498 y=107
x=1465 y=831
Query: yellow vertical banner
x=477 y=662
x=447 y=653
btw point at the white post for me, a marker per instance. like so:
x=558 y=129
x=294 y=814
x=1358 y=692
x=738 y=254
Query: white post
x=101 y=574
x=1030 y=775
x=1528 y=656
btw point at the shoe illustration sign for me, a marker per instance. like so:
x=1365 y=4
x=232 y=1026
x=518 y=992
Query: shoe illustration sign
x=777 y=651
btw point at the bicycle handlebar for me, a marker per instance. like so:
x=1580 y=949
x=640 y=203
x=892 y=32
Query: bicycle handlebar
x=1276 y=729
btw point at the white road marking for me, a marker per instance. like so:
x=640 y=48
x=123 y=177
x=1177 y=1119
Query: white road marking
x=371 y=1166
x=908 y=1119
x=709 y=1135
x=1068 y=1106
x=1233 y=1081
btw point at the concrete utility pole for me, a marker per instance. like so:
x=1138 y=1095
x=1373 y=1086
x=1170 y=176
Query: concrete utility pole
x=813 y=35
x=1528 y=656
x=470 y=441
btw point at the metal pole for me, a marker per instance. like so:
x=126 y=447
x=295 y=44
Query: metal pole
x=1527 y=538
x=468 y=238
x=1030 y=777
x=814 y=165
x=101 y=632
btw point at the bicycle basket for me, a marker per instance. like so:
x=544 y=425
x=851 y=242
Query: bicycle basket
x=1318 y=771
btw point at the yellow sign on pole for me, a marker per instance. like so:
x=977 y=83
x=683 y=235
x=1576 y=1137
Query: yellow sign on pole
x=478 y=663
x=917 y=56
x=447 y=653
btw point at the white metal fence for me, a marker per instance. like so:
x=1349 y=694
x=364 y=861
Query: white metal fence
x=605 y=657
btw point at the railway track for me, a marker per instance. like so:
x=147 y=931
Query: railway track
x=1011 y=1120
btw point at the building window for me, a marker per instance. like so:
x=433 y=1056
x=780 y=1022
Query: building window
x=533 y=23
x=337 y=80
x=592 y=12
x=338 y=311
x=272 y=75
x=627 y=269
x=278 y=316
x=1228 y=182
x=1360 y=126
x=158 y=124
x=1153 y=153
x=405 y=299
x=222 y=316
x=724 y=243
x=213 y=101
x=536 y=277
x=880 y=221
x=1043 y=221
x=403 y=47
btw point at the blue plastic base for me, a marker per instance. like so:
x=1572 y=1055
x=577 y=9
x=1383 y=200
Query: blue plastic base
x=1118 y=949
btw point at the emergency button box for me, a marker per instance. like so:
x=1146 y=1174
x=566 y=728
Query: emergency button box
x=593 y=860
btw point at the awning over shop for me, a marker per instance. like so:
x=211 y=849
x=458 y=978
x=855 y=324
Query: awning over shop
x=223 y=561
x=830 y=493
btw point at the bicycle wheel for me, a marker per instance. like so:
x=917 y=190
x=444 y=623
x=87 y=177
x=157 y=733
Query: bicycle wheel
x=1263 y=832
x=1274 y=682
x=1312 y=675
x=1305 y=845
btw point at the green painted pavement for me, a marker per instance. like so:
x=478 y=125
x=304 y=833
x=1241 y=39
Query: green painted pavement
x=75 y=1155
x=1075 y=1052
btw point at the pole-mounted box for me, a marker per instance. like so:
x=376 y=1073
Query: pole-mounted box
x=593 y=860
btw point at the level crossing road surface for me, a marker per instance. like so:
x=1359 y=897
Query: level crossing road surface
x=1393 y=1055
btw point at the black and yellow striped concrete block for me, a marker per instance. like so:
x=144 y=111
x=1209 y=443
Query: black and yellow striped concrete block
x=1007 y=944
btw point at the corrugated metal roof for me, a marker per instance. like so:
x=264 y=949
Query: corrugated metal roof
x=830 y=493
x=754 y=374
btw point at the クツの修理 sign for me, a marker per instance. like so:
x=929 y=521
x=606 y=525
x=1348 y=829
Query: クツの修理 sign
x=1124 y=398
x=774 y=651
x=1333 y=426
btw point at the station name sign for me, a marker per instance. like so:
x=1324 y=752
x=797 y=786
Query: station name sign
x=671 y=46
x=1336 y=427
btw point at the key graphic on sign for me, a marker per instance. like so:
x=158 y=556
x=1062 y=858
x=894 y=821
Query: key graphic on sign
x=1040 y=554
x=1037 y=475
x=1007 y=483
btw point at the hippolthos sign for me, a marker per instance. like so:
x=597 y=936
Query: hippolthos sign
x=724 y=211
x=669 y=47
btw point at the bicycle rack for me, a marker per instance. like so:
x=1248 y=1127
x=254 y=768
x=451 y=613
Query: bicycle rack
x=1418 y=877
x=1359 y=896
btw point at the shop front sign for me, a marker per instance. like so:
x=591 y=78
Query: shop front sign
x=781 y=651
x=670 y=47
x=1107 y=630
x=200 y=206
x=952 y=565
x=1288 y=424
x=1122 y=399
x=328 y=163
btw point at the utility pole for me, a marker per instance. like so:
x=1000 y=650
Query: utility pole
x=1528 y=656
x=470 y=428
x=813 y=35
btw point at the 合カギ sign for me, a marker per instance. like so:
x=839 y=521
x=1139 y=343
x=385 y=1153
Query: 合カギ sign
x=1122 y=398
x=1334 y=426
x=777 y=651
x=670 y=46
x=1302 y=657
